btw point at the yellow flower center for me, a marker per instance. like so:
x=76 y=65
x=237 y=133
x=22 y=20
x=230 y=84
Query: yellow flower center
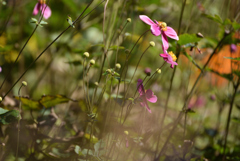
x=42 y=1
x=174 y=58
x=162 y=25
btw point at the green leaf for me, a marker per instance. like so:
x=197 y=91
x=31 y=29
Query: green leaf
x=9 y=117
x=116 y=47
x=237 y=72
x=233 y=58
x=224 y=75
x=43 y=22
x=50 y=101
x=29 y=104
x=236 y=25
x=77 y=149
x=188 y=38
x=2 y=111
x=191 y=59
x=227 y=22
x=215 y=18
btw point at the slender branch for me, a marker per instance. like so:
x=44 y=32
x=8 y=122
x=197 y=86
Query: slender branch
x=229 y=117
x=45 y=50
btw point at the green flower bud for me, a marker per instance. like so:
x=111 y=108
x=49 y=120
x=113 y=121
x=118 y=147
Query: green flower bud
x=152 y=43
x=24 y=83
x=109 y=71
x=0 y=99
x=96 y=83
x=92 y=62
x=129 y=20
x=86 y=54
x=118 y=66
x=126 y=132
x=158 y=70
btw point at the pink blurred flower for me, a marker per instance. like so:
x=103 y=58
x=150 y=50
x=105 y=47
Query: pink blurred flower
x=145 y=96
x=159 y=28
x=197 y=102
x=233 y=48
x=127 y=143
x=0 y=69
x=41 y=6
x=169 y=58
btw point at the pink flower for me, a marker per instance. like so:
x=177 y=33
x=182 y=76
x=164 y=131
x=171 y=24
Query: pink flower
x=169 y=58
x=46 y=11
x=159 y=28
x=145 y=96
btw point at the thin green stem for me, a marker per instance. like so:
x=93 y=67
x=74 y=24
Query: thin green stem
x=20 y=104
x=136 y=69
x=45 y=50
x=229 y=117
x=189 y=96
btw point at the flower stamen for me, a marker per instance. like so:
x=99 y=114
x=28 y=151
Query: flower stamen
x=162 y=25
x=42 y=1
x=174 y=58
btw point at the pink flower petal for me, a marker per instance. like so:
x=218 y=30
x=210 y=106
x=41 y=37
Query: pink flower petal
x=36 y=9
x=165 y=41
x=171 y=33
x=155 y=30
x=146 y=105
x=140 y=87
x=150 y=96
x=47 y=12
x=146 y=19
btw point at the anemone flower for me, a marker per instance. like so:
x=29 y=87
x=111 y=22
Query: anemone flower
x=41 y=6
x=145 y=96
x=159 y=28
x=170 y=58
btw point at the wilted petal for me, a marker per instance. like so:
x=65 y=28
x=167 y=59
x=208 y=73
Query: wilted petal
x=150 y=96
x=36 y=9
x=146 y=19
x=171 y=33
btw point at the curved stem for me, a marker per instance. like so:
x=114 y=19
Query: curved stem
x=188 y=97
x=45 y=50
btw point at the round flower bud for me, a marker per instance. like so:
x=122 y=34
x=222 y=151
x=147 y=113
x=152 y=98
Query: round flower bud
x=126 y=132
x=159 y=71
x=109 y=70
x=118 y=66
x=152 y=43
x=129 y=20
x=92 y=62
x=96 y=83
x=0 y=99
x=86 y=54
x=24 y=83
x=126 y=51
x=147 y=71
